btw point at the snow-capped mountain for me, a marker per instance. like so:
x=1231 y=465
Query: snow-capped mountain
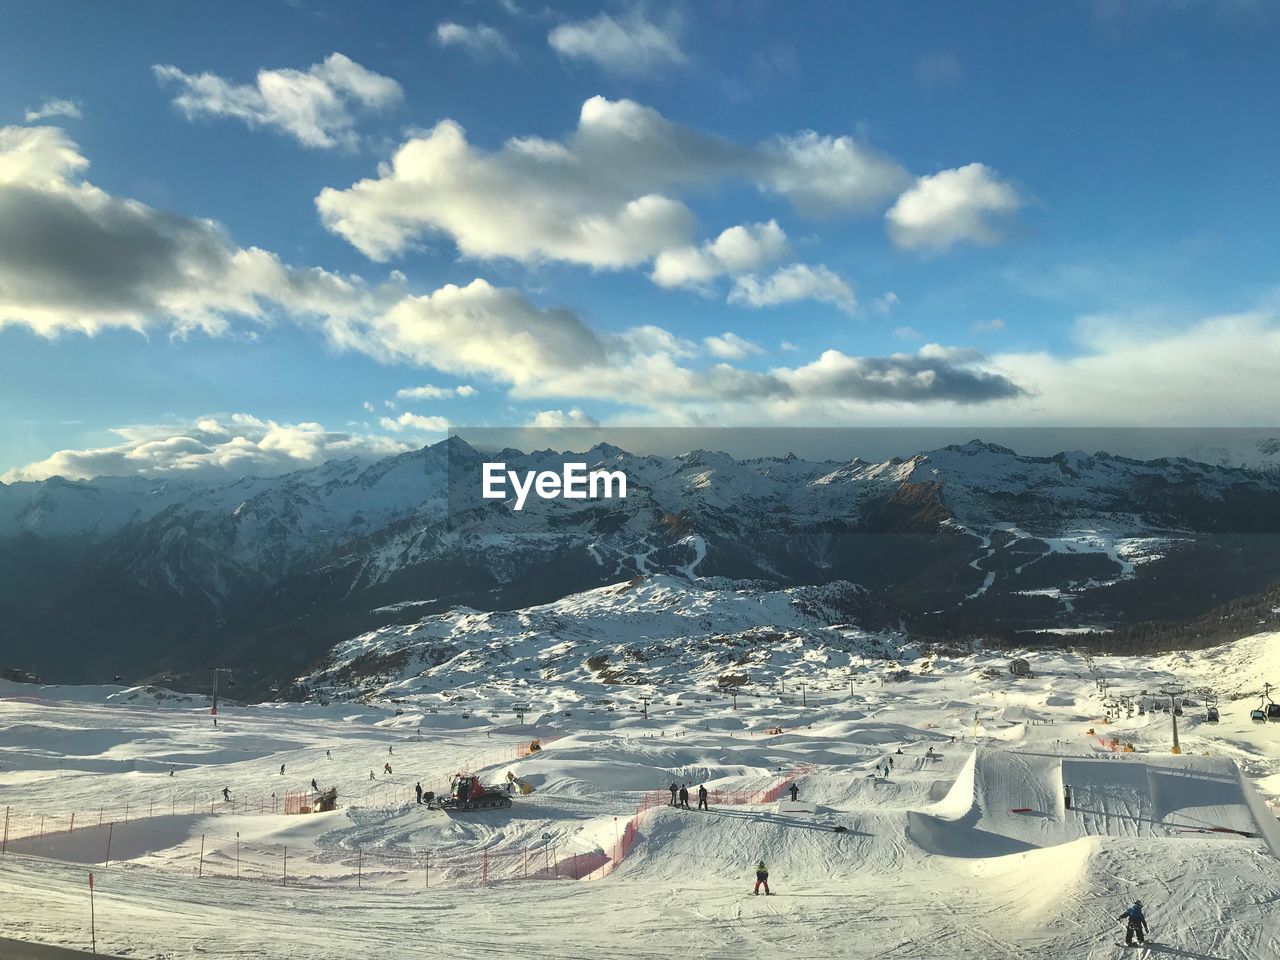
x=642 y=631
x=135 y=576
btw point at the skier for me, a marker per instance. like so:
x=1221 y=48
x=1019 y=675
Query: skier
x=684 y=797
x=390 y=750
x=1137 y=924
x=795 y=793
x=702 y=798
x=171 y=769
x=328 y=755
x=762 y=877
x=226 y=794
x=315 y=786
x=417 y=788
x=1066 y=795
x=929 y=753
x=282 y=769
x=891 y=763
x=371 y=776
x=674 y=791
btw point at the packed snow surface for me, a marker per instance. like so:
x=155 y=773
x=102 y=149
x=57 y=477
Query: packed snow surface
x=965 y=849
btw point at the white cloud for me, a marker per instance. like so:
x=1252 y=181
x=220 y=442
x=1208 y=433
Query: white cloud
x=481 y=41
x=368 y=406
x=54 y=107
x=630 y=44
x=954 y=206
x=908 y=333
x=560 y=419
x=603 y=196
x=987 y=326
x=885 y=303
x=730 y=346
x=823 y=176
x=73 y=257
x=737 y=250
x=317 y=107
x=210 y=446
x=414 y=422
x=428 y=392
x=789 y=284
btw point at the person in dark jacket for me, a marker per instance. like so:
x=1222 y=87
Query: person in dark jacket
x=795 y=793
x=702 y=798
x=417 y=788
x=674 y=791
x=1066 y=795
x=1136 y=925
x=226 y=794
x=684 y=797
x=762 y=879
x=315 y=786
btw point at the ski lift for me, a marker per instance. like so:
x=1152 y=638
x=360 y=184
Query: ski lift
x=1273 y=711
x=1211 y=715
x=1258 y=716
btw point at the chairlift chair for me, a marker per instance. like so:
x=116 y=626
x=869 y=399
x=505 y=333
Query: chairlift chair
x=1211 y=715
x=1258 y=716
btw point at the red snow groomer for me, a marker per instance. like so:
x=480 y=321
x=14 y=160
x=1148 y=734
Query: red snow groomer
x=466 y=792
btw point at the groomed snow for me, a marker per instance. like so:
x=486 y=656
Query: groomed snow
x=968 y=852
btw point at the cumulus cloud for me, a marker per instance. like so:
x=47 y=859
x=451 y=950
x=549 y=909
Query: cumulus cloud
x=934 y=373
x=498 y=334
x=481 y=41
x=428 y=392
x=950 y=207
x=318 y=106
x=737 y=250
x=987 y=326
x=561 y=419
x=630 y=44
x=414 y=423
x=54 y=107
x=210 y=446
x=73 y=257
x=789 y=284
x=603 y=196
x=730 y=346
x=885 y=303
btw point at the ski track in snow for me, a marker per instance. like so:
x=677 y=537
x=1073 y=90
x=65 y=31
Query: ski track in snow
x=932 y=862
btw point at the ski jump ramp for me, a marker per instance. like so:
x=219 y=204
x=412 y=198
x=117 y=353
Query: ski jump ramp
x=1008 y=802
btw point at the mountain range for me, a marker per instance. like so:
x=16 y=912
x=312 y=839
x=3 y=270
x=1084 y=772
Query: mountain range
x=164 y=578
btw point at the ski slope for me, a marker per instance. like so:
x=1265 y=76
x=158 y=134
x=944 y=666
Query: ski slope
x=964 y=849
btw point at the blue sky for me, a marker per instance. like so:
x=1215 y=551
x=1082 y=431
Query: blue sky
x=997 y=213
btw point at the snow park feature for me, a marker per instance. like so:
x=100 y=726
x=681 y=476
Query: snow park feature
x=930 y=839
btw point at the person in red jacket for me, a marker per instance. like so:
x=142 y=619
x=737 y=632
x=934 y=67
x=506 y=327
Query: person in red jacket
x=762 y=878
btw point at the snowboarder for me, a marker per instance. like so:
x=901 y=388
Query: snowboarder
x=371 y=776
x=390 y=750
x=684 y=797
x=386 y=768
x=702 y=798
x=417 y=788
x=762 y=878
x=282 y=769
x=315 y=786
x=929 y=753
x=1066 y=795
x=795 y=793
x=226 y=794
x=899 y=751
x=328 y=755
x=171 y=769
x=1136 y=926
x=674 y=791
x=891 y=763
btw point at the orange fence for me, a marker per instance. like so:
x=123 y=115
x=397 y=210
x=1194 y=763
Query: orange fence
x=655 y=799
